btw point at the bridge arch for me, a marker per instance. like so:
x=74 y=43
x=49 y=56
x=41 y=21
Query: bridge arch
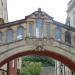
x=54 y=55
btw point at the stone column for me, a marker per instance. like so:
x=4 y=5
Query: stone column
x=44 y=29
x=52 y=30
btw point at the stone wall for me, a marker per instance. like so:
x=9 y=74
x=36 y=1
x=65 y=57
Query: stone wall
x=48 y=71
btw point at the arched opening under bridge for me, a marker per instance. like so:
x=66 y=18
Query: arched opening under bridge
x=54 y=55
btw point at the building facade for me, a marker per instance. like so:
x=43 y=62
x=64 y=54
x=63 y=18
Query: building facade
x=4 y=19
x=71 y=13
x=3 y=11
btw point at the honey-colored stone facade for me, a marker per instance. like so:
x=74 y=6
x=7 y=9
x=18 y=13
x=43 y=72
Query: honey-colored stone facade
x=27 y=43
x=61 y=48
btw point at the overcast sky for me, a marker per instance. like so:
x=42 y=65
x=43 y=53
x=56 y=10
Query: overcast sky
x=18 y=9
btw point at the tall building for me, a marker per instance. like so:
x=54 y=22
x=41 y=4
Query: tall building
x=71 y=13
x=3 y=11
x=4 y=19
x=70 y=21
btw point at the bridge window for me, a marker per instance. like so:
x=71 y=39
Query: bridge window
x=20 y=33
x=48 y=30
x=58 y=33
x=67 y=37
x=0 y=37
x=9 y=35
x=39 y=28
x=30 y=30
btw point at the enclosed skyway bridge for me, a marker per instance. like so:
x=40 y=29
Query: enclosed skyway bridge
x=37 y=34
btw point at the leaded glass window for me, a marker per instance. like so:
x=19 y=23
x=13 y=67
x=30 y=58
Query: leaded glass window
x=67 y=37
x=39 y=28
x=20 y=33
x=30 y=30
x=58 y=33
x=9 y=36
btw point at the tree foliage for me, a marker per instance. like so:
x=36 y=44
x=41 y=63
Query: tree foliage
x=31 y=65
x=45 y=60
x=31 y=68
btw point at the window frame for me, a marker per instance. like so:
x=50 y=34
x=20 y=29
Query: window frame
x=58 y=32
x=18 y=33
x=67 y=37
x=39 y=27
x=9 y=35
x=30 y=31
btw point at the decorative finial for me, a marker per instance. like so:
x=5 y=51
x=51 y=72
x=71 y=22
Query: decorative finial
x=39 y=9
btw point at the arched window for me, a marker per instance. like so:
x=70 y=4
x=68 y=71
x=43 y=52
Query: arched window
x=39 y=28
x=67 y=37
x=9 y=35
x=30 y=30
x=20 y=33
x=58 y=33
x=48 y=30
x=0 y=37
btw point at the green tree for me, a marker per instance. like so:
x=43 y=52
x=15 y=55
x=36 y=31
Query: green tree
x=46 y=61
x=31 y=68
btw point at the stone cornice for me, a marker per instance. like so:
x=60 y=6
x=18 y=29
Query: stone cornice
x=69 y=2
x=71 y=7
x=12 y=23
x=64 y=26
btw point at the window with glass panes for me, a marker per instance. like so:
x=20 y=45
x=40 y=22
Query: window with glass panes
x=30 y=30
x=58 y=33
x=9 y=35
x=39 y=28
x=20 y=33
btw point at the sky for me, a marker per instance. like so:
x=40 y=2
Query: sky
x=18 y=9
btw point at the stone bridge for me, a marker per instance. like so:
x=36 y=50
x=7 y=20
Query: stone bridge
x=37 y=34
x=38 y=46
